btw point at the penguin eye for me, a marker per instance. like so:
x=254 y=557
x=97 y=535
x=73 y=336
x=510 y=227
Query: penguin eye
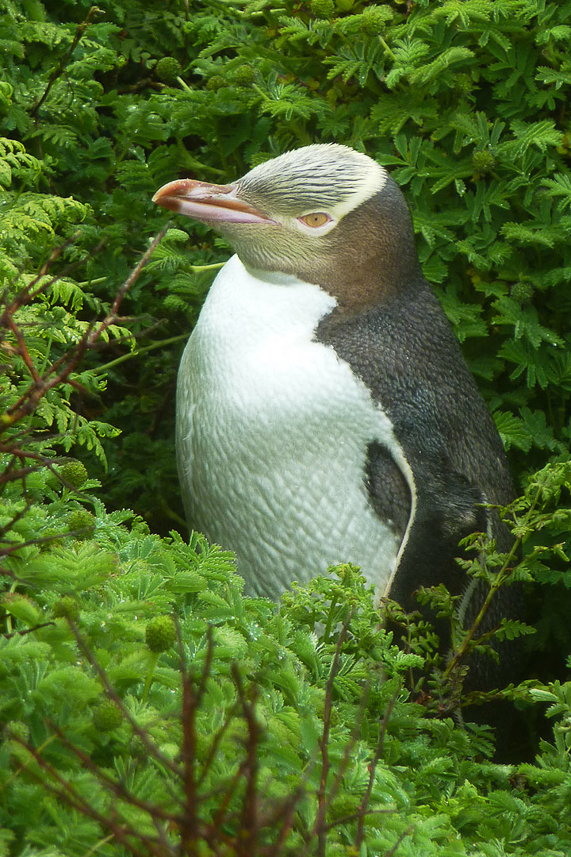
x=315 y=219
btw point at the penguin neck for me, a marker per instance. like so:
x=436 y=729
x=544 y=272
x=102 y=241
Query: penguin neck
x=360 y=287
x=355 y=284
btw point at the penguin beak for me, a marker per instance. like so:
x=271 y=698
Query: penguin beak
x=211 y=203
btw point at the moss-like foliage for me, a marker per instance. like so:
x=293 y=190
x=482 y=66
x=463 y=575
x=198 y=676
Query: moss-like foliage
x=246 y=727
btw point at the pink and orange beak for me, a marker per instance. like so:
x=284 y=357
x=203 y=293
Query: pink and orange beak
x=211 y=203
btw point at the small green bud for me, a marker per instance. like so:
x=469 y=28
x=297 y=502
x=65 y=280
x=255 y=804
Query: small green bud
x=483 y=161
x=244 y=75
x=66 y=608
x=322 y=8
x=74 y=473
x=374 y=20
x=51 y=479
x=107 y=716
x=160 y=634
x=137 y=748
x=463 y=83
x=81 y=520
x=216 y=82
x=17 y=729
x=522 y=291
x=21 y=607
x=168 y=69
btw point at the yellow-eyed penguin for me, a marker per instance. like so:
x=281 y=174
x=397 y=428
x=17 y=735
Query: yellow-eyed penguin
x=325 y=411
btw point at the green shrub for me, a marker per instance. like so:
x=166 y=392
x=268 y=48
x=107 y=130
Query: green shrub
x=299 y=730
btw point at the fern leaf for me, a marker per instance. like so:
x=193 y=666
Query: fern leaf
x=512 y=431
x=446 y=59
x=555 y=77
x=465 y=12
x=541 y=134
x=525 y=322
x=560 y=185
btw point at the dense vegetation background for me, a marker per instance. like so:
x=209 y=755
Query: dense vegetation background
x=467 y=104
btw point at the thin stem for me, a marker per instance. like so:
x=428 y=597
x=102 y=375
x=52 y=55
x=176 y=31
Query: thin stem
x=149 y=679
x=60 y=68
x=215 y=266
x=100 y=370
x=363 y=808
x=386 y=47
x=319 y=827
x=500 y=579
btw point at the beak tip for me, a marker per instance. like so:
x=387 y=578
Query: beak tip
x=162 y=192
x=166 y=197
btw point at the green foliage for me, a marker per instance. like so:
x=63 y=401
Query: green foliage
x=92 y=749
x=303 y=729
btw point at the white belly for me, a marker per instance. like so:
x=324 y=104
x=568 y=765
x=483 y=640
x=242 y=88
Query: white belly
x=272 y=436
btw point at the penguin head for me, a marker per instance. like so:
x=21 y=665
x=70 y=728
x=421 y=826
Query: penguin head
x=324 y=213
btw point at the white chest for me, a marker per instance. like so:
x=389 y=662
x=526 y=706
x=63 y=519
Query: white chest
x=272 y=436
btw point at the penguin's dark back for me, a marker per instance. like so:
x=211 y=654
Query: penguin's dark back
x=406 y=353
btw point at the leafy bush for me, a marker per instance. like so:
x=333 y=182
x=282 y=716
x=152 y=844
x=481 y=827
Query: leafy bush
x=251 y=734
x=303 y=729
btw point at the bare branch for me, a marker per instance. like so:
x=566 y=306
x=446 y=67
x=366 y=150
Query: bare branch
x=363 y=809
x=249 y=820
x=319 y=828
